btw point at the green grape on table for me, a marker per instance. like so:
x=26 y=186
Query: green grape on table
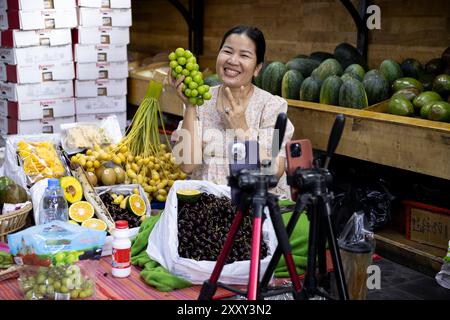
x=184 y=64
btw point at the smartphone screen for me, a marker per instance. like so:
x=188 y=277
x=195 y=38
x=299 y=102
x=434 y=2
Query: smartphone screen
x=242 y=155
x=299 y=155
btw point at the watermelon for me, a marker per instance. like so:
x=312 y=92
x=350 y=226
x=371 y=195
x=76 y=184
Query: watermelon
x=352 y=94
x=435 y=66
x=346 y=76
x=329 y=92
x=406 y=82
x=377 y=89
x=291 y=83
x=320 y=56
x=391 y=70
x=301 y=55
x=258 y=79
x=441 y=85
x=305 y=66
x=427 y=81
x=272 y=77
x=347 y=54
x=310 y=90
x=412 y=68
x=371 y=73
x=356 y=70
x=329 y=67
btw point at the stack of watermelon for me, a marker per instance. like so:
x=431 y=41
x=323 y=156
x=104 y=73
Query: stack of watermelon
x=341 y=79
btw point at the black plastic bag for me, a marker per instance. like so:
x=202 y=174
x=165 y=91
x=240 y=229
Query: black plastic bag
x=373 y=198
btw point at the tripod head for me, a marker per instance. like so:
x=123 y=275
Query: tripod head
x=254 y=177
x=316 y=180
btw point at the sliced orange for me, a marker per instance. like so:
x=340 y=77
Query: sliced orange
x=136 y=205
x=81 y=211
x=94 y=223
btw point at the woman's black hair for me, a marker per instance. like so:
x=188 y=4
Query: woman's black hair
x=253 y=33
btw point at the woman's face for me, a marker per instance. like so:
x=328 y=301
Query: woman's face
x=236 y=62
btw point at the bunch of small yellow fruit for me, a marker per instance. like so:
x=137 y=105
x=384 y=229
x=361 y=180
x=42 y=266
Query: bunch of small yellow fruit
x=156 y=174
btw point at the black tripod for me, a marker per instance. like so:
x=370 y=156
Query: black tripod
x=252 y=192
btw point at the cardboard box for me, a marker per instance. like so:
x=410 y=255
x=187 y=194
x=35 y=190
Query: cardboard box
x=39 y=54
x=101 y=105
x=101 y=70
x=44 y=37
x=101 y=35
x=44 y=19
x=121 y=118
x=36 y=91
x=34 y=5
x=100 y=53
x=39 y=109
x=94 y=17
x=427 y=224
x=95 y=88
x=11 y=126
x=115 y=4
x=37 y=73
x=4 y=25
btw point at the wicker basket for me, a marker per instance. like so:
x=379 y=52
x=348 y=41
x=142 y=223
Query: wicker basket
x=13 y=221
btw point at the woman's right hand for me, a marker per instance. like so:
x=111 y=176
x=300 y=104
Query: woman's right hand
x=177 y=84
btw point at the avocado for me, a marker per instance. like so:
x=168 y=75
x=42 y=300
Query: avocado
x=400 y=106
x=408 y=93
x=439 y=111
x=426 y=97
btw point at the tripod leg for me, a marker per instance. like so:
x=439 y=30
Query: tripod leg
x=255 y=253
x=310 y=283
x=322 y=247
x=283 y=242
x=336 y=256
x=299 y=208
x=210 y=286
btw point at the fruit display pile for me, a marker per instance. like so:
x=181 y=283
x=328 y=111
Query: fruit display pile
x=343 y=78
x=183 y=63
x=204 y=225
x=47 y=283
x=117 y=165
x=122 y=207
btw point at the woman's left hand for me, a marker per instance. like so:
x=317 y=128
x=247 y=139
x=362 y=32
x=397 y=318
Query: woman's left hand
x=234 y=111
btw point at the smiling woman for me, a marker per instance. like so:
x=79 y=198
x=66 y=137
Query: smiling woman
x=238 y=110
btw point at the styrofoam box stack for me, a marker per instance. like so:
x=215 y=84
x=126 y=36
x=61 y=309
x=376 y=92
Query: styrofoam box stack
x=101 y=63
x=36 y=65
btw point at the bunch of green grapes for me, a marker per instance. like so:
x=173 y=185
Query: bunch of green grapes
x=183 y=63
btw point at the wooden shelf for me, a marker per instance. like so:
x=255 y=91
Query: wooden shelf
x=393 y=245
x=412 y=144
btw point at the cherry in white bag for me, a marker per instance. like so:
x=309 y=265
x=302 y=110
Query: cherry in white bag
x=163 y=241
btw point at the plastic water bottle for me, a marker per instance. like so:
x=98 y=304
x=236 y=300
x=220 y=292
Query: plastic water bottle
x=53 y=204
x=121 y=250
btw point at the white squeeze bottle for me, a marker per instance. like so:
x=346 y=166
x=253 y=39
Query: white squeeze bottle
x=121 y=250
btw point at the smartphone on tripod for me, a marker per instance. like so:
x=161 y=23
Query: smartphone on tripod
x=299 y=154
x=242 y=155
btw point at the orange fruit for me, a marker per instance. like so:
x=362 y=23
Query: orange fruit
x=81 y=211
x=94 y=223
x=136 y=205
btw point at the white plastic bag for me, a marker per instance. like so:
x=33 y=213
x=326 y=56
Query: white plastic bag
x=163 y=241
x=12 y=167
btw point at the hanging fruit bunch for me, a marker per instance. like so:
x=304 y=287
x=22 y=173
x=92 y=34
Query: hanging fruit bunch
x=140 y=157
x=183 y=63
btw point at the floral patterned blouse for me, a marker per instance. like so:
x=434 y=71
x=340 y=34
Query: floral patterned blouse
x=261 y=114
